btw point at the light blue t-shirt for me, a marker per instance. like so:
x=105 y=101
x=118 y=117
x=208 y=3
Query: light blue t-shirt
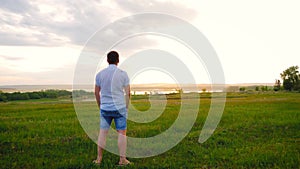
x=112 y=81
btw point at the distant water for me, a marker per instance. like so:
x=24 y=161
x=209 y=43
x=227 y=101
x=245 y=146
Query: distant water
x=31 y=88
x=137 y=89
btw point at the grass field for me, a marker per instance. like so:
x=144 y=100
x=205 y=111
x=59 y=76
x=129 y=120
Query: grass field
x=257 y=130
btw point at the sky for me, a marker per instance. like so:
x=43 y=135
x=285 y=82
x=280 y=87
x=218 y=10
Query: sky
x=41 y=40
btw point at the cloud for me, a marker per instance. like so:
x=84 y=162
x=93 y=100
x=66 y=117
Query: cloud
x=175 y=8
x=10 y=58
x=50 y=23
x=56 y=23
x=16 y=6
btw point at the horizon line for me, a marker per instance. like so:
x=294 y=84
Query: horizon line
x=137 y=84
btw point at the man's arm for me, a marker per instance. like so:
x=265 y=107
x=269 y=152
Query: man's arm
x=97 y=95
x=127 y=95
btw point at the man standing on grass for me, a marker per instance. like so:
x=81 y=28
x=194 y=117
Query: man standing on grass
x=111 y=83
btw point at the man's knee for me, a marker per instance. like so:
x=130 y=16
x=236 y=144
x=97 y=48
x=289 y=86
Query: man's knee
x=123 y=132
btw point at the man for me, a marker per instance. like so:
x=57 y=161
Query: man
x=111 y=83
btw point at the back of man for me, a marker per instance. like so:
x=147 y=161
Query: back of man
x=112 y=92
x=112 y=81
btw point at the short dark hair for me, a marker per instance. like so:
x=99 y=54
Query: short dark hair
x=113 y=57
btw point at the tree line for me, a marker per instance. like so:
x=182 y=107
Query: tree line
x=34 y=95
x=290 y=80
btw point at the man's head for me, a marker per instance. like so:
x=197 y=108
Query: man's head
x=113 y=57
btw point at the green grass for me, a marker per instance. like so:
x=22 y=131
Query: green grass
x=257 y=130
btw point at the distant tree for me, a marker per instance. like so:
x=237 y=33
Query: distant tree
x=80 y=93
x=17 y=96
x=3 y=98
x=24 y=96
x=256 y=88
x=34 y=95
x=297 y=86
x=291 y=78
x=37 y=95
x=264 y=88
x=242 y=89
x=277 y=85
x=63 y=93
x=51 y=94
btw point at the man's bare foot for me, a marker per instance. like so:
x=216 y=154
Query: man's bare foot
x=97 y=161
x=123 y=162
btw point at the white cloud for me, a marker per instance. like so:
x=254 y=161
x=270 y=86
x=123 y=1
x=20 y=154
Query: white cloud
x=56 y=22
x=49 y=23
x=255 y=40
x=175 y=8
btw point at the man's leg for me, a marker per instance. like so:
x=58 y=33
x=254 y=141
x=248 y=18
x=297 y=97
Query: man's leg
x=105 y=122
x=101 y=144
x=122 y=144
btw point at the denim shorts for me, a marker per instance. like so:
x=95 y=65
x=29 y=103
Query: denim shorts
x=119 y=116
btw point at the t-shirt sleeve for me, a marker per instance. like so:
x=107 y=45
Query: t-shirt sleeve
x=97 y=80
x=126 y=79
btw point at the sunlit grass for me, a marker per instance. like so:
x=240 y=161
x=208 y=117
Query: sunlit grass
x=257 y=130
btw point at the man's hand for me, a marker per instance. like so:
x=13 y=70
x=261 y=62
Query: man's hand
x=97 y=95
x=127 y=95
